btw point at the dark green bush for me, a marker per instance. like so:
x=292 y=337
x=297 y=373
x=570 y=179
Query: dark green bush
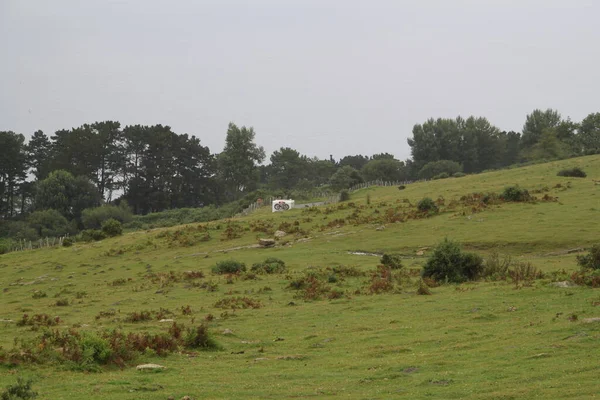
x=228 y=267
x=112 y=228
x=448 y=263
x=199 y=338
x=434 y=168
x=19 y=391
x=344 y=195
x=48 y=223
x=443 y=175
x=516 y=194
x=427 y=205
x=573 y=172
x=590 y=260
x=392 y=261
x=94 y=218
x=92 y=235
x=270 y=266
x=458 y=174
x=67 y=242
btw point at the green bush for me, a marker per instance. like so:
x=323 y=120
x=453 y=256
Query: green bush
x=67 y=242
x=228 y=267
x=344 y=195
x=516 y=194
x=427 y=205
x=92 y=235
x=199 y=338
x=270 y=266
x=112 y=227
x=448 y=263
x=573 y=172
x=458 y=174
x=392 y=261
x=94 y=218
x=443 y=175
x=5 y=245
x=19 y=391
x=590 y=260
x=434 y=168
x=48 y=223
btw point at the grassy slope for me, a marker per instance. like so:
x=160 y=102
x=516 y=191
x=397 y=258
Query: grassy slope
x=457 y=343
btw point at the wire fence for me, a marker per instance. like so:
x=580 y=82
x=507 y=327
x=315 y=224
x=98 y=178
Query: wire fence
x=22 y=245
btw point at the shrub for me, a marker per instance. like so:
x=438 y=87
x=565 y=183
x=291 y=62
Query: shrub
x=67 y=242
x=270 y=266
x=516 y=194
x=392 y=261
x=344 y=195
x=94 y=218
x=19 y=391
x=112 y=227
x=443 y=175
x=573 y=172
x=48 y=223
x=590 y=260
x=401 y=187
x=199 y=338
x=427 y=205
x=458 y=174
x=448 y=263
x=92 y=235
x=228 y=267
x=434 y=168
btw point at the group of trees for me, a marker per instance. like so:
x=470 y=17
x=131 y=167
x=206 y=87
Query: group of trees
x=477 y=145
x=152 y=168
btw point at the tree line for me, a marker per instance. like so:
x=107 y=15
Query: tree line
x=147 y=169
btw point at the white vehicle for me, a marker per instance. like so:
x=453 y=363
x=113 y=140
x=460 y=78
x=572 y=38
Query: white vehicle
x=282 y=205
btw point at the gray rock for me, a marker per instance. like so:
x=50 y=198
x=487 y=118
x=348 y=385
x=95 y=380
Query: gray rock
x=266 y=242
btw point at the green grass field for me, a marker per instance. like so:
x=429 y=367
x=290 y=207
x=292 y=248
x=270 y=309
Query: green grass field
x=481 y=340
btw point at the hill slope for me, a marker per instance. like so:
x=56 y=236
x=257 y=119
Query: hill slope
x=320 y=329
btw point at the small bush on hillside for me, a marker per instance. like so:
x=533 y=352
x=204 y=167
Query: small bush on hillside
x=458 y=174
x=19 y=391
x=443 y=175
x=427 y=205
x=112 y=227
x=448 y=263
x=434 y=168
x=92 y=235
x=67 y=242
x=228 y=267
x=344 y=195
x=573 y=172
x=401 y=187
x=48 y=223
x=270 y=266
x=590 y=260
x=94 y=218
x=516 y=194
x=392 y=261
x=199 y=338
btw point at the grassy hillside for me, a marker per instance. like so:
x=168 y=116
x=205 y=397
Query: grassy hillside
x=338 y=338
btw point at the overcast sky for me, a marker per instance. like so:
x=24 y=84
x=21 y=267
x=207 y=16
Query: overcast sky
x=321 y=76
